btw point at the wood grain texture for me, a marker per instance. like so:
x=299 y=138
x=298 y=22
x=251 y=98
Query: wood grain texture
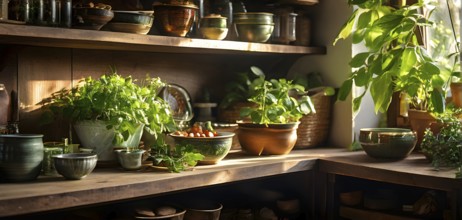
x=89 y=39
x=114 y=184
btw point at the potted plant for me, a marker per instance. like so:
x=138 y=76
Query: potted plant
x=396 y=60
x=272 y=128
x=442 y=144
x=113 y=109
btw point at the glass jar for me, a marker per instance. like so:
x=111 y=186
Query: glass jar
x=284 y=26
x=48 y=166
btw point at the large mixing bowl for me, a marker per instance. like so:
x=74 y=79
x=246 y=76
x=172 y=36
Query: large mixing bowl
x=174 y=20
x=387 y=143
x=253 y=18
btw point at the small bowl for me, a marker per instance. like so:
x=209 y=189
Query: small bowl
x=175 y=20
x=128 y=28
x=134 y=17
x=387 y=143
x=75 y=166
x=213 y=33
x=179 y=215
x=214 y=149
x=213 y=21
x=258 y=33
x=253 y=18
x=91 y=18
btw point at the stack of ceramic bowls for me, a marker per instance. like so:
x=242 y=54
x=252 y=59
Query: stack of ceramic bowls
x=213 y=27
x=254 y=26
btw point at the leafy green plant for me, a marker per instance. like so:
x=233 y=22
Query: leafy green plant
x=178 y=159
x=118 y=101
x=396 y=59
x=444 y=148
x=241 y=89
x=276 y=102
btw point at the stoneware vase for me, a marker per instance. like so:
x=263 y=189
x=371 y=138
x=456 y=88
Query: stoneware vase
x=21 y=157
x=271 y=139
x=130 y=160
x=94 y=135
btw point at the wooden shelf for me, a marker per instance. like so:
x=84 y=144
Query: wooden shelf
x=114 y=184
x=363 y=214
x=89 y=39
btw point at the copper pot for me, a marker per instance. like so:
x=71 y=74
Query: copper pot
x=174 y=19
x=271 y=139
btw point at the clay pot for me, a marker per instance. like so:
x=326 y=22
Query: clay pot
x=21 y=157
x=420 y=121
x=271 y=139
x=456 y=91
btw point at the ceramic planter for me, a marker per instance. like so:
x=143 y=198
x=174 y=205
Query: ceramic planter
x=420 y=121
x=271 y=139
x=94 y=135
x=21 y=157
x=130 y=160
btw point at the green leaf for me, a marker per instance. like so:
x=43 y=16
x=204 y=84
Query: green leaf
x=257 y=71
x=359 y=60
x=381 y=91
x=345 y=31
x=345 y=89
x=408 y=60
x=364 y=20
x=362 y=78
x=437 y=100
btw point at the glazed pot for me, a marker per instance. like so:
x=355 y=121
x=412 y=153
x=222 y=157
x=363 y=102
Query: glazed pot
x=130 y=160
x=387 y=143
x=94 y=135
x=271 y=139
x=21 y=157
x=174 y=20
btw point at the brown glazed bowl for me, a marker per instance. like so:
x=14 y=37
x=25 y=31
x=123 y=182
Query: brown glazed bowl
x=174 y=20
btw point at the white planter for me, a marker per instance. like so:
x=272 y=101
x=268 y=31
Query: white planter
x=94 y=135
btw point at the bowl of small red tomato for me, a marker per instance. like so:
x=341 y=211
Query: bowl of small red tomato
x=214 y=146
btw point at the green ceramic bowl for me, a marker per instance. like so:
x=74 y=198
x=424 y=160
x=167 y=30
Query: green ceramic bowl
x=214 y=149
x=387 y=143
x=258 y=33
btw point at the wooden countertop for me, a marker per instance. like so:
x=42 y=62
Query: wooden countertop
x=113 y=184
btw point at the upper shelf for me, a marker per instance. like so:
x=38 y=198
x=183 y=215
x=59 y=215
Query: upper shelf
x=89 y=39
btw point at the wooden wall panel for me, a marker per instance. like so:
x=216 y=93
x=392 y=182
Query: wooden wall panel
x=41 y=71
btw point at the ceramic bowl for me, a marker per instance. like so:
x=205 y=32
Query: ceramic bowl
x=174 y=20
x=141 y=214
x=213 y=21
x=134 y=17
x=214 y=149
x=213 y=33
x=75 y=166
x=387 y=143
x=258 y=33
x=253 y=18
x=91 y=18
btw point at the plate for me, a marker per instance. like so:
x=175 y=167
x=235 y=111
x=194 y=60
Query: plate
x=179 y=100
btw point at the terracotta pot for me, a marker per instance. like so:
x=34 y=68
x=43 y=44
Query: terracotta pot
x=420 y=121
x=273 y=139
x=456 y=91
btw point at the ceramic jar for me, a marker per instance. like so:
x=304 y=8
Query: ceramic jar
x=130 y=160
x=21 y=157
